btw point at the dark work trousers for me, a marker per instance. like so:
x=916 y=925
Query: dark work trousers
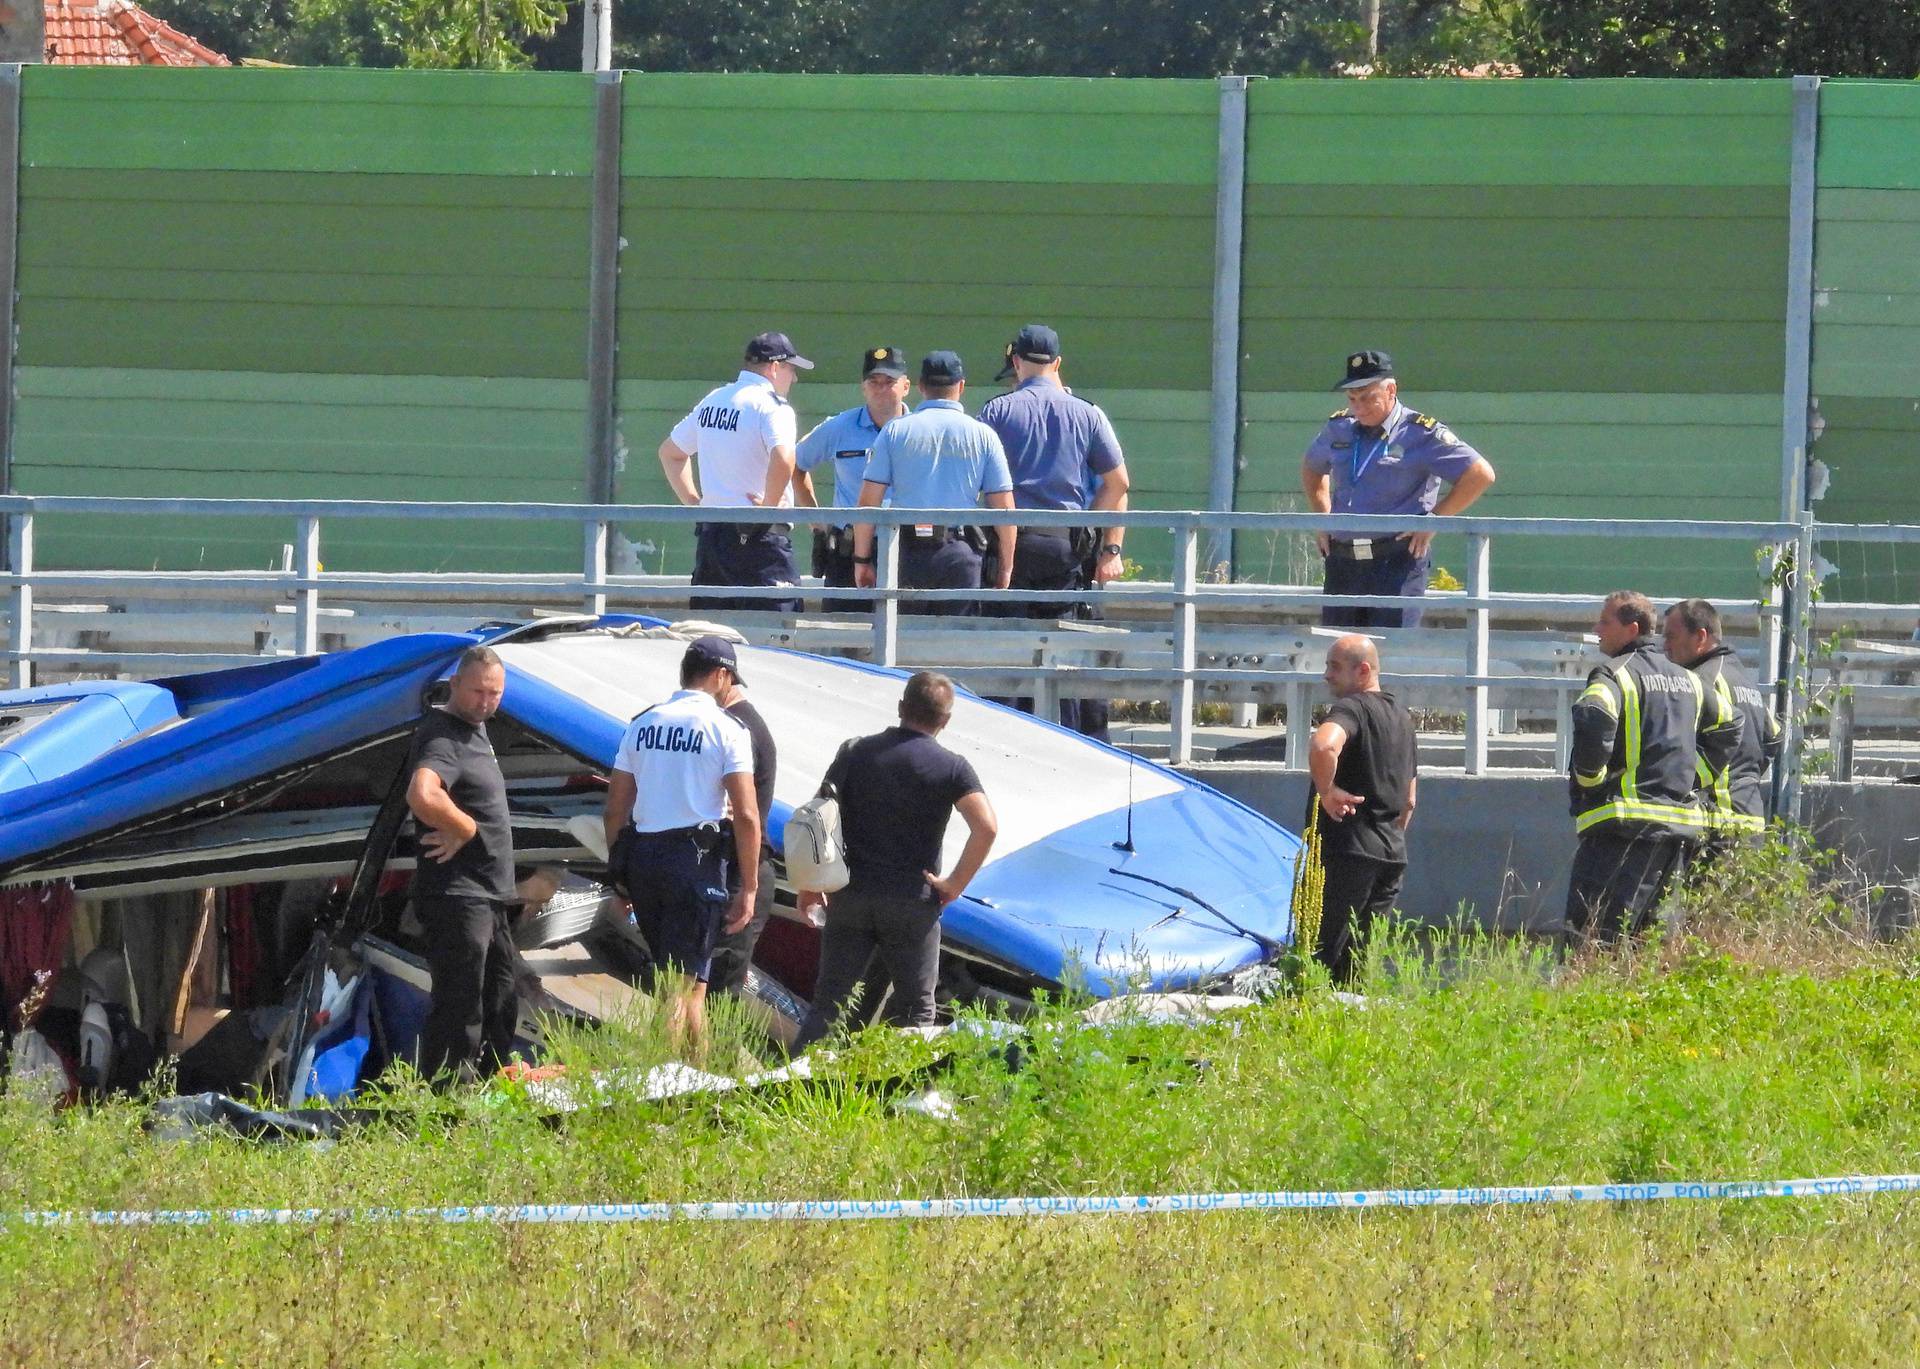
x=1045 y=559
x=1393 y=569
x=469 y=949
x=678 y=882
x=940 y=562
x=1617 y=882
x=1358 y=889
x=733 y=952
x=905 y=932
x=743 y=554
x=833 y=563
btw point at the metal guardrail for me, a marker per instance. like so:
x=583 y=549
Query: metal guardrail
x=1784 y=623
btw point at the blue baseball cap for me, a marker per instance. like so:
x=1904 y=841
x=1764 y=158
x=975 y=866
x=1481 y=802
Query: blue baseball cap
x=764 y=347
x=1035 y=342
x=712 y=651
x=942 y=368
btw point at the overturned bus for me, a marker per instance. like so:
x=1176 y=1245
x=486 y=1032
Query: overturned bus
x=216 y=865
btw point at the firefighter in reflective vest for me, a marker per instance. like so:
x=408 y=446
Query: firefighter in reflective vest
x=1640 y=729
x=1738 y=811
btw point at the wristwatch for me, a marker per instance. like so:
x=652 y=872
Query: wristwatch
x=866 y=560
x=1110 y=549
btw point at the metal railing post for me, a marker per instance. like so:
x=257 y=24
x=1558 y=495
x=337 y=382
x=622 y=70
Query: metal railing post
x=1479 y=622
x=594 y=601
x=886 y=608
x=307 y=597
x=1562 y=730
x=1186 y=554
x=20 y=605
x=1299 y=725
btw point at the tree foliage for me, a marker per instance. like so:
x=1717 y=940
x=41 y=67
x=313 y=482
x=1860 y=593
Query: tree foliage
x=1160 y=38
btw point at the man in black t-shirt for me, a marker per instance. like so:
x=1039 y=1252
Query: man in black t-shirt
x=1364 y=766
x=733 y=952
x=463 y=881
x=897 y=789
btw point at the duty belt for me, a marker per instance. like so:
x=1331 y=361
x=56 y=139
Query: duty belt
x=746 y=532
x=1363 y=548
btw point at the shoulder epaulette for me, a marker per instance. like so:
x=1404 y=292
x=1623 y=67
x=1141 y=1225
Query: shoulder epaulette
x=1340 y=413
x=1426 y=421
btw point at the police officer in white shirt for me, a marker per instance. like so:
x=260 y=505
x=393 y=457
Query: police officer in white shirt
x=744 y=435
x=682 y=764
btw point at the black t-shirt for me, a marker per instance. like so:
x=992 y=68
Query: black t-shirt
x=1378 y=761
x=460 y=754
x=897 y=789
x=764 y=764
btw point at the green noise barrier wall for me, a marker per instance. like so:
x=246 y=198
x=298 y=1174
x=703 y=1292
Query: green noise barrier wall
x=370 y=284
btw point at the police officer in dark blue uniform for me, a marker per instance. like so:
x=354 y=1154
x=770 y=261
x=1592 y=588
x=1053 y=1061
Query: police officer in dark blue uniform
x=1378 y=456
x=1064 y=455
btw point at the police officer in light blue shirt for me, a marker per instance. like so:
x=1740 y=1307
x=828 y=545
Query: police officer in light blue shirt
x=938 y=458
x=1378 y=456
x=846 y=441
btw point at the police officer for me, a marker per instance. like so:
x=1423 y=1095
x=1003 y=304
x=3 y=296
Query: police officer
x=1640 y=727
x=1736 y=792
x=937 y=458
x=1064 y=455
x=681 y=766
x=846 y=440
x=1378 y=456
x=744 y=435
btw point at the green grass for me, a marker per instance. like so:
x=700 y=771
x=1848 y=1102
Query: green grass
x=1707 y=1060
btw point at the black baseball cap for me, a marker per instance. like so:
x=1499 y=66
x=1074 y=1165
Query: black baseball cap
x=775 y=347
x=1363 y=368
x=712 y=651
x=882 y=361
x=1035 y=342
x=942 y=368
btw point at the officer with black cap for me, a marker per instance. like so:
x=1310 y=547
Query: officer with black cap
x=938 y=458
x=682 y=767
x=1064 y=455
x=1378 y=456
x=744 y=435
x=846 y=440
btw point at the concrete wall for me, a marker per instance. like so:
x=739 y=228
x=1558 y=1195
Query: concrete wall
x=1499 y=846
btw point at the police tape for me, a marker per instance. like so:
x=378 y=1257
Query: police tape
x=910 y=1209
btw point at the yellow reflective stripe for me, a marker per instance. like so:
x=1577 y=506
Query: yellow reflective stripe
x=1737 y=822
x=1630 y=706
x=1624 y=810
x=1724 y=696
x=1597 y=692
x=1589 y=781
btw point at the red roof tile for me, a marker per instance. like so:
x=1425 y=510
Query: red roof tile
x=119 y=33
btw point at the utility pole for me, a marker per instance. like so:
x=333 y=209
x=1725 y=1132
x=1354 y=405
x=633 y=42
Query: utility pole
x=596 y=36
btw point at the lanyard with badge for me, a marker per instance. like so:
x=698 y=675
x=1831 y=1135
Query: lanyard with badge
x=1363 y=547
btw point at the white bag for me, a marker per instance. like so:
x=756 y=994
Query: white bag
x=816 y=853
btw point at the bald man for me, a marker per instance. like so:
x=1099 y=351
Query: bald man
x=1365 y=768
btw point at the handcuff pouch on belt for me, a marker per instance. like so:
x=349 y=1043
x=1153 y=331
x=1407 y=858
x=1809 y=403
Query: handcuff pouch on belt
x=831 y=545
